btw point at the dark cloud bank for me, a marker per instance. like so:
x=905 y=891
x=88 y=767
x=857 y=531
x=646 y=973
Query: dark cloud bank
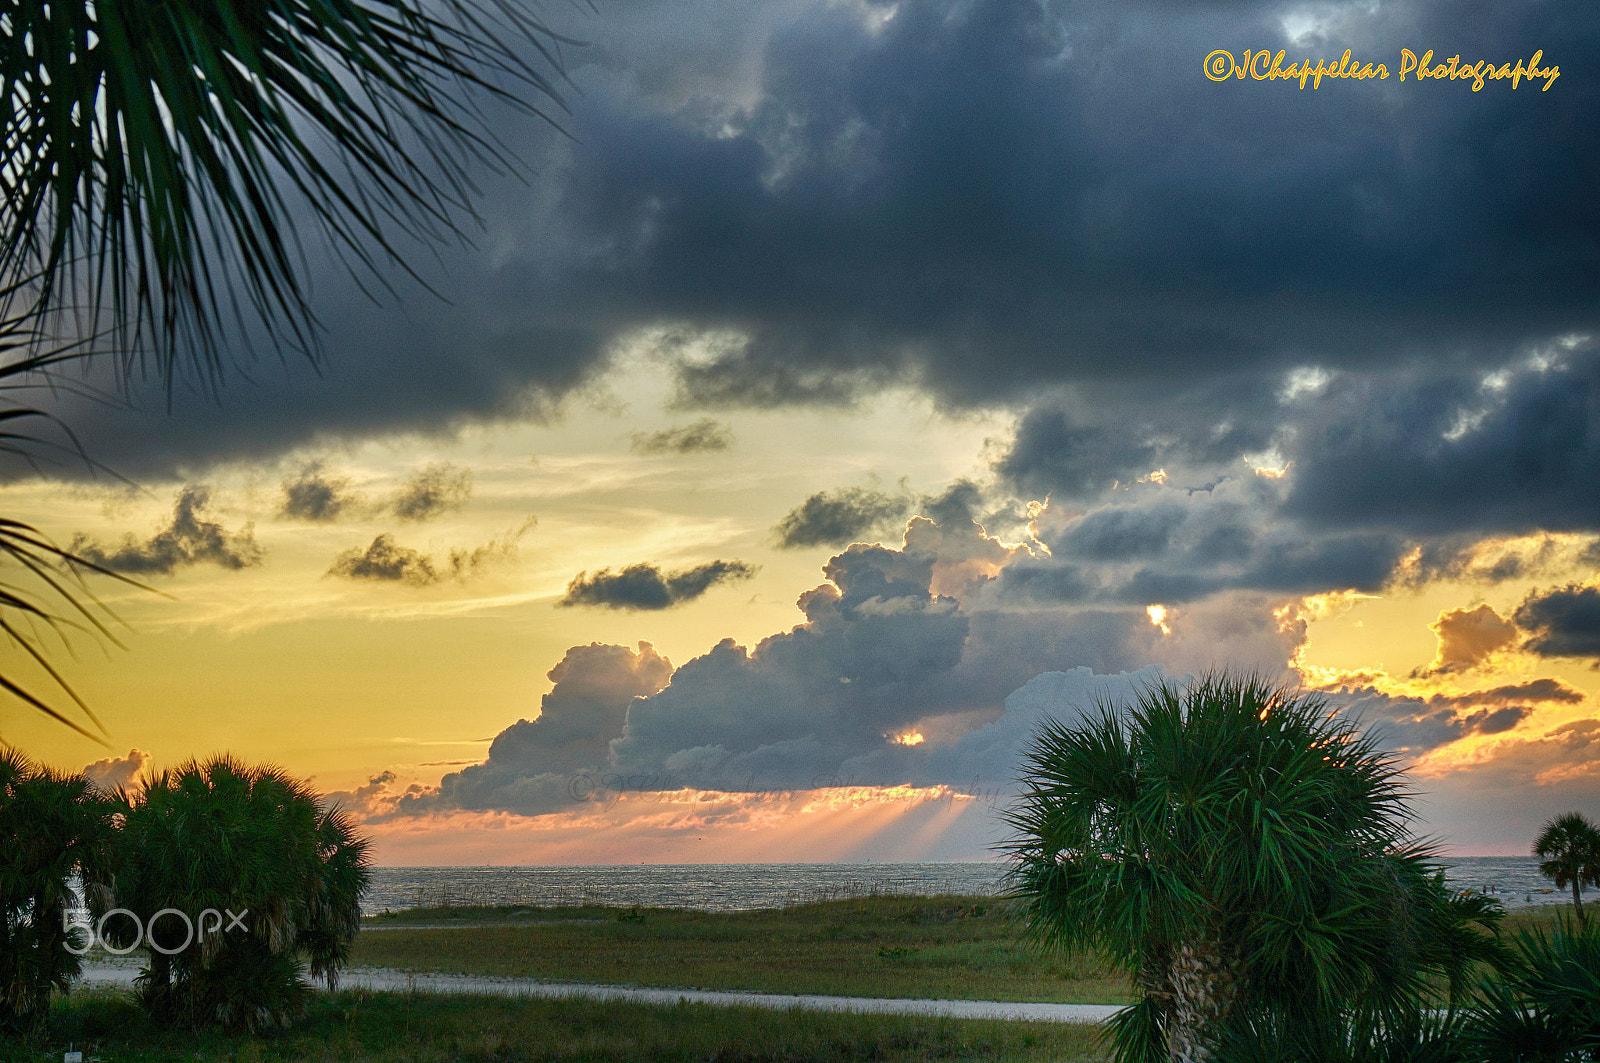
x=995 y=199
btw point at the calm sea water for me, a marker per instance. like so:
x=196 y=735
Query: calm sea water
x=1515 y=881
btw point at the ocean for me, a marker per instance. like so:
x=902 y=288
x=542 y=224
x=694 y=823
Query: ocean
x=1515 y=881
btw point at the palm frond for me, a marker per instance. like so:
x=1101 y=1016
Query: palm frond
x=156 y=153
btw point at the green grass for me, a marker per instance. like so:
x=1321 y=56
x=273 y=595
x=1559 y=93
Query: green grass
x=1543 y=917
x=358 y=1027
x=965 y=948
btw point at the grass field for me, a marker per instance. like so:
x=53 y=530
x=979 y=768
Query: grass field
x=965 y=948
x=357 y=1027
x=959 y=947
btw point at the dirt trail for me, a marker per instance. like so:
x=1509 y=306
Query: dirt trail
x=381 y=978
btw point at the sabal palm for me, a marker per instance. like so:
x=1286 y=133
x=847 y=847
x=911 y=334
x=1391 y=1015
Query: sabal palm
x=1569 y=848
x=155 y=155
x=52 y=827
x=254 y=842
x=1244 y=854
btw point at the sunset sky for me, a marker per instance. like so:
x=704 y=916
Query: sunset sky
x=855 y=384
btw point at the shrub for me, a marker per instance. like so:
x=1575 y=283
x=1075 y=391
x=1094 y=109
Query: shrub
x=254 y=845
x=52 y=827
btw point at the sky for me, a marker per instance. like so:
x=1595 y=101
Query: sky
x=848 y=387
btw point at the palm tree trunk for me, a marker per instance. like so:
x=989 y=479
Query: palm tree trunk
x=1204 y=981
x=1577 y=899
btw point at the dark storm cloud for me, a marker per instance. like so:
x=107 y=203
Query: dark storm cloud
x=1183 y=545
x=984 y=199
x=435 y=490
x=317 y=496
x=836 y=518
x=1127 y=431
x=1563 y=622
x=704 y=435
x=188 y=540
x=1121 y=533
x=646 y=586
x=996 y=194
x=1449 y=452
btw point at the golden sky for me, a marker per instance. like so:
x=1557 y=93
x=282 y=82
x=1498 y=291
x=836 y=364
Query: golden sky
x=859 y=384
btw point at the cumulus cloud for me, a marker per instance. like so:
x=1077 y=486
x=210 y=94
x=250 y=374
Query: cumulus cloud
x=837 y=518
x=188 y=540
x=117 y=773
x=895 y=644
x=704 y=435
x=553 y=761
x=647 y=586
x=371 y=800
x=385 y=560
x=1467 y=637
x=316 y=495
x=1562 y=622
x=433 y=491
x=887 y=647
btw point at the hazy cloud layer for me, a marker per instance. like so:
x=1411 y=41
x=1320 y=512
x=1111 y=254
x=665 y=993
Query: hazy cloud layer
x=647 y=586
x=704 y=435
x=189 y=539
x=837 y=518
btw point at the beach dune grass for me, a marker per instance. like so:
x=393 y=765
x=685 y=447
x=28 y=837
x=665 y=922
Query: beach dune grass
x=964 y=948
x=361 y=1027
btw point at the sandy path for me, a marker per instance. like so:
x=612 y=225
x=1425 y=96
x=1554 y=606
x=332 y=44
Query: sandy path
x=380 y=978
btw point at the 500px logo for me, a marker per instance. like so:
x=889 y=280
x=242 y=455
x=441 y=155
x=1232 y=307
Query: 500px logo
x=77 y=920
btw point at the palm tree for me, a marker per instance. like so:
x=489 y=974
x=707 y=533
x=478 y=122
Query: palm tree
x=284 y=873
x=1245 y=855
x=1569 y=845
x=156 y=156
x=52 y=827
x=1544 y=1006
